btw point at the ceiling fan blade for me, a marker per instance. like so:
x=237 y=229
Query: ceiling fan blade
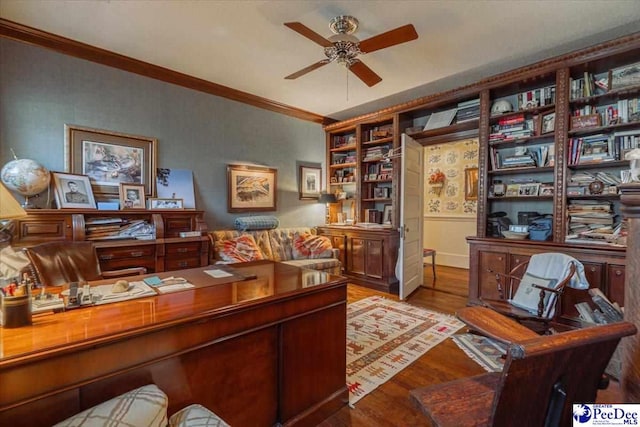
x=307 y=69
x=365 y=73
x=308 y=33
x=390 y=38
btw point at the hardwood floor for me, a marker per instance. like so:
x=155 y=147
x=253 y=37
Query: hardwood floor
x=389 y=404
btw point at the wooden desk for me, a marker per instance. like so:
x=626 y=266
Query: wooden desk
x=257 y=352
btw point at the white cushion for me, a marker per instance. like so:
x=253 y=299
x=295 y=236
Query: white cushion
x=143 y=407
x=196 y=416
x=527 y=296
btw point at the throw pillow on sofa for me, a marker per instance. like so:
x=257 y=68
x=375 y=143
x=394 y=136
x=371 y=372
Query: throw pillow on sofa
x=241 y=249
x=311 y=246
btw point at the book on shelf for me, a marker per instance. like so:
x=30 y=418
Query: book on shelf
x=440 y=119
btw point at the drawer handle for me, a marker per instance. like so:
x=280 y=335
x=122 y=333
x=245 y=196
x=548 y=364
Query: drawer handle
x=517 y=260
x=106 y=257
x=183 y=250
x=618 y=272
x=592 y=269
x=137 y=254
x=500 y=258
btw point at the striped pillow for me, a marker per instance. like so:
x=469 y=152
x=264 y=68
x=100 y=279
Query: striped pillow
x=143 y=407
x=311 y=246
x=196 y=416
x=241 y=249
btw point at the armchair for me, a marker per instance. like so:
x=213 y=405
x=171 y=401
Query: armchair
x=530 y=292
x=542 y=377
x=57 y=263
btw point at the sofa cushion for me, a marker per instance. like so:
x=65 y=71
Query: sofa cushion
x=240 y=249
x=311 y=246
x=196 y=416
x=143 y=407
x=261 y=222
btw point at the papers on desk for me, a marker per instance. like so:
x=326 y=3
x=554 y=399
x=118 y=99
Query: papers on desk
x=173 y=288
x=218 y=274
x=103 y=294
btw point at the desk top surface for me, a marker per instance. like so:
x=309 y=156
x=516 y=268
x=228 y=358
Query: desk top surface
x=97 y=324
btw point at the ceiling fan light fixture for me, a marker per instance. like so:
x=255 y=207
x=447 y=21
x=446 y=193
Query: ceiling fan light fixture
x=343 y=24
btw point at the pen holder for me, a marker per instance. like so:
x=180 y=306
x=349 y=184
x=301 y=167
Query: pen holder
x=15 y=311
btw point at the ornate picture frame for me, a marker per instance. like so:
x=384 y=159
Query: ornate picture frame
x=251 y=188
x=132 y=196
x=73 y=191
x=110 y=158
x=310 y=183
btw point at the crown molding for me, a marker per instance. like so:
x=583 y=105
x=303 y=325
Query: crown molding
x=22 y=33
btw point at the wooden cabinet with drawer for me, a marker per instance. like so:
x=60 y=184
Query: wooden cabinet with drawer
x=167 y=251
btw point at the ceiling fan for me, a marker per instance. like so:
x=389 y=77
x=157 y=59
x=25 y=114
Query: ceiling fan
x=343 y=47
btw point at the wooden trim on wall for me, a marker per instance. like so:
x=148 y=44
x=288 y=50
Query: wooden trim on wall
x=22 y=33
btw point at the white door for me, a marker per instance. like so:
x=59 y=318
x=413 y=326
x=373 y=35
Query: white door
x=409 y=269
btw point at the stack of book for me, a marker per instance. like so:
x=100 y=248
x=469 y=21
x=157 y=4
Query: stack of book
x=589 y=215
x=375 y=153
x=607 y=311
x=116 y=228
x=468 y=110
x=510 y=128
x=373 y=216
x=588 y=85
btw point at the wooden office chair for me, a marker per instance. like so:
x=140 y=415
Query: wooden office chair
x=58 y=263
x=530 y=293
x=543 y=376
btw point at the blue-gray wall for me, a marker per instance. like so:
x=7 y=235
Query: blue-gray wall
x=41 y=91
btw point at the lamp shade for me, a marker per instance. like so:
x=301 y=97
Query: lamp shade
x=9 y=206
x=327 y=198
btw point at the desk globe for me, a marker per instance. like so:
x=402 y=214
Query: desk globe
x=26 y=177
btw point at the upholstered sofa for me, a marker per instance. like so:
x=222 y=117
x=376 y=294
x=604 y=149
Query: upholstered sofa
x=299 y=246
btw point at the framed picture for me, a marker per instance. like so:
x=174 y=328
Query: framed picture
x=471 y=184
x=380 y=193
x=547 y=123
x=529 y=189
x=626 y=76
x=73 y=191
x=110 y=158
x=251 y=188
x=387 y=214
x=176 y=184
x=513 y=190
x=132 y=196
x=157 y=203
x=310 y=182
x=546 y=189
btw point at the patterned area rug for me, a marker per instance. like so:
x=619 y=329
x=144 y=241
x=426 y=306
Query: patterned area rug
x=486 y=352
x=385 y=336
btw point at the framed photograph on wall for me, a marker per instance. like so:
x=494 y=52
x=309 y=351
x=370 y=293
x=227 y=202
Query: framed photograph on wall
x=471 y=184
x=251 y=188
x=310 y=182
x=110 y=158
x=73 y=191
x=132 y=196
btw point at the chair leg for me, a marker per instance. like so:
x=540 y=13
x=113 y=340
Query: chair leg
x=433 y=266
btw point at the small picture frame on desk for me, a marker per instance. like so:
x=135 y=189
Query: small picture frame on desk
x=158 y=203
x=527 y=190
x=73 y=191
x=132 y=196
x=513 y=190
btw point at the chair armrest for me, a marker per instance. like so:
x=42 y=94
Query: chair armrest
x=124 y=272
x=494 y=325
x=506 y=281
x=547 y=289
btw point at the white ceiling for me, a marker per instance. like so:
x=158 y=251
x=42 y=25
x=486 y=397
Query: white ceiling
x=244 y=44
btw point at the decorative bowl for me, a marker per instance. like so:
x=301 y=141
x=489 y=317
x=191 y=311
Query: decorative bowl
x=516 y=235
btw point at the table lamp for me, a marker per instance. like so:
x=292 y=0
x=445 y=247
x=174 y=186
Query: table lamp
x=327 y=199
x=9 y=209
